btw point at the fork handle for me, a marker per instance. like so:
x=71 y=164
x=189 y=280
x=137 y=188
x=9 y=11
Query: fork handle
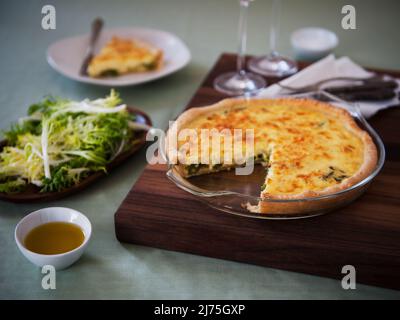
x=317 y=84
x=367 y=86
x=364 y=80
x=97 y=25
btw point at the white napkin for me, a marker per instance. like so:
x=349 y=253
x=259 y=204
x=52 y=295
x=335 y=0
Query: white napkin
x=330 y=67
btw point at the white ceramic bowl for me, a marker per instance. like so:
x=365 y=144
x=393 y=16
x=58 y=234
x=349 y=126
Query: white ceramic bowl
x=54 y=214
x=313 y=43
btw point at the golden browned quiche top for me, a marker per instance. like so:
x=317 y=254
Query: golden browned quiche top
x=309 y=148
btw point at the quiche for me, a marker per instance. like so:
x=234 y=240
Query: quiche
x=309 y=148
x=120 y=56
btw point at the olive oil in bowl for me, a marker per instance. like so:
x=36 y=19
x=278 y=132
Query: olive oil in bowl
x=54 y=238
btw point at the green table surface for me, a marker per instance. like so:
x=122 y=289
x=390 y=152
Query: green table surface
x=112 y=270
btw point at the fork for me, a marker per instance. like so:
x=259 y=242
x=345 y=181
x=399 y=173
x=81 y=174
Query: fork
x=97 y=25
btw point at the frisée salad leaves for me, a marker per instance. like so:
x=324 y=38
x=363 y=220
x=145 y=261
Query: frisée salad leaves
x=61 y=142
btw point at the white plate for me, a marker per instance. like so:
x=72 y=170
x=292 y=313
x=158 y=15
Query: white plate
x=66 y=55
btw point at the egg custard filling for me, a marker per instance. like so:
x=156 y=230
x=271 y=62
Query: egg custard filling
x=308 y=148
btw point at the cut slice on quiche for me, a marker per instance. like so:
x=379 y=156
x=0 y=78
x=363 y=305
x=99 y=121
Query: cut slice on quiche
x=120 y=56
x=309 y=148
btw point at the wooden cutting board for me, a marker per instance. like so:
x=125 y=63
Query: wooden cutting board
x=365 y=234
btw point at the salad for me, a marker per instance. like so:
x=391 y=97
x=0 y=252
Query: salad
x=61 y=142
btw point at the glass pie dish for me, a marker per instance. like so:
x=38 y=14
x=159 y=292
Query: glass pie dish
x=233 y=194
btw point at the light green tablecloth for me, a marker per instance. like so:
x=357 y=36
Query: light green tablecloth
x=113 y=270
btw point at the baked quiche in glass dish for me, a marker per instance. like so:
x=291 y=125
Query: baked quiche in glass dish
x=311 y=153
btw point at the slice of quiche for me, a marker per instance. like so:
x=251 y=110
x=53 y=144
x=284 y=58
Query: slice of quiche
x=120 y=56
x=309 y=148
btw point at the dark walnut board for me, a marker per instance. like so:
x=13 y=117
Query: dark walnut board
x=365 y=234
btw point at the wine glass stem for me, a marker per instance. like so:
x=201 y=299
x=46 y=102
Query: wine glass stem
x=242 y=32
x=275 y=19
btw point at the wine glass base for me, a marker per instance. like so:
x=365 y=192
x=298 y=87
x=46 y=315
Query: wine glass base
x=236 y=84
x=273 y=66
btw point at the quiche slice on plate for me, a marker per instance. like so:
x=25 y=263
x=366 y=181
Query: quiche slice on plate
x=309 y=148
x=121 y=56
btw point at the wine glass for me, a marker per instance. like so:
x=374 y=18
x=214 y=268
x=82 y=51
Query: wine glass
x=240 y=82
x=273 y=64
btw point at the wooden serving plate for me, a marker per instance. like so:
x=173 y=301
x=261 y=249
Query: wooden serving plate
x=33 y=194
x=365 y=234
